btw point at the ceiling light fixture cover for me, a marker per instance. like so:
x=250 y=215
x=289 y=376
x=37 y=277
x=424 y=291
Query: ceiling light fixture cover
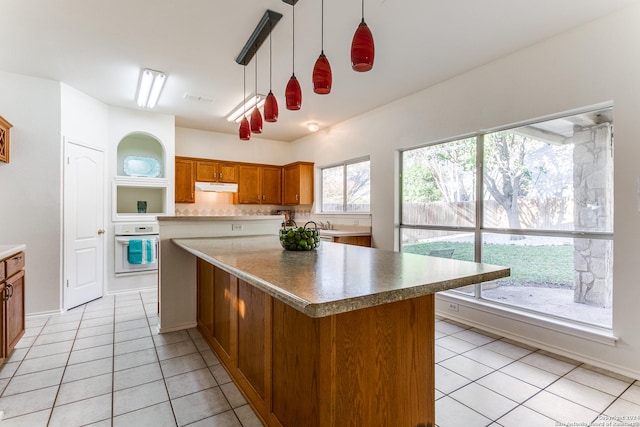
x=293 y=92
x=362 y=47
x=271 y=103
x=150 y=87
x=256 y=100
x=322 y=77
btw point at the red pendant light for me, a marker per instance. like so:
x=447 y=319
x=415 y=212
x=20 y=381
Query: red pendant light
x=245 y=130
x=256 y=117
x=293 y=92
x=362 y=47
x=322 y=77
x=271 y=103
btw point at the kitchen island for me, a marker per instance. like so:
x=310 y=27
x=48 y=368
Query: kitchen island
x=343 y=335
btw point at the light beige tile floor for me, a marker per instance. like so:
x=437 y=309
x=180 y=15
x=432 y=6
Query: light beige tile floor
x=103 y=364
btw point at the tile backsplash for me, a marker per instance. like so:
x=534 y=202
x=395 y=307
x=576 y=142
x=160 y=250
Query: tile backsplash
x=221 y=204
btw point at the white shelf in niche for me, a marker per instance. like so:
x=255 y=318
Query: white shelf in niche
x=137 y=181
x=127 y=191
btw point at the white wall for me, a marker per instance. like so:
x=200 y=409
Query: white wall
x=220 y=146
x=31 y=184
x=589 y=65
x=84 y=120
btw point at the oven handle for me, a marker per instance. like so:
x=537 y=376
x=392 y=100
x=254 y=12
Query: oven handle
x=142 y=237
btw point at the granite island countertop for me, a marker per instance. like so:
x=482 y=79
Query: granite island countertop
x=336 y=278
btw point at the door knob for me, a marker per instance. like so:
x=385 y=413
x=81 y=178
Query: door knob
x=101 y=231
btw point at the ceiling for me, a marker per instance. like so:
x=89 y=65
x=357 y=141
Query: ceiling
x=99 y=47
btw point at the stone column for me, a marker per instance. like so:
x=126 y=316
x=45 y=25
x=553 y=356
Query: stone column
x=593 y=211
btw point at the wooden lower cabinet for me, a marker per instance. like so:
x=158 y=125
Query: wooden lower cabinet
x=354 y=240
x=12 y=314
x=369 y=367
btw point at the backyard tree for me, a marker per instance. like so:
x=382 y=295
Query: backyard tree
x=506 y=177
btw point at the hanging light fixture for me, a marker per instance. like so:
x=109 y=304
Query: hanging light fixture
x=244 y=131
x=362 y=48
x=256 y=117
x=322 y=70
x=271 y=103
x=293 y=92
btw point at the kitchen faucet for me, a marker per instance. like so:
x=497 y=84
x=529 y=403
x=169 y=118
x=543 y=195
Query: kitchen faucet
x=328 y=225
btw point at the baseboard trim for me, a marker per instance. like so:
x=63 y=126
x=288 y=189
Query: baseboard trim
x=43 y=313
x=181 y=327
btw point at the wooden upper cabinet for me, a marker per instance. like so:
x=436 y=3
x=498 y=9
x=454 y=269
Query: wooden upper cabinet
x=185 y=180
x=249 y=190
x=271 y=185
x=259 y=184
x=298 y=183
x=212 y=171
x=5 y=142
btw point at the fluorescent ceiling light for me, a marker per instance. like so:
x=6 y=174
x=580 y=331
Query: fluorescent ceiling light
x=247 y=106
x=150 y=87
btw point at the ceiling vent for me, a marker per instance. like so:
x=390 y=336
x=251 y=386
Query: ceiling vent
x=198 y=98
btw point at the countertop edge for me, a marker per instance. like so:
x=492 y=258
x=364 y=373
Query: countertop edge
x=10 y=249
x=324 y=309
x=221 y=218
x=278 y=293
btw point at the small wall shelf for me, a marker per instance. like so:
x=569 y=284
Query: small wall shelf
x=127 y=192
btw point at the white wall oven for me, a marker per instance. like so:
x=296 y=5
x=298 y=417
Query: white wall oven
x=136 y=247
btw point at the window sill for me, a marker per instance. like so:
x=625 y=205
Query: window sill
x=593 y=333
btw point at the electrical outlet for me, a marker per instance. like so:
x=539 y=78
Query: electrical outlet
x=236 y=227
x=452 y=306
x=356 y=222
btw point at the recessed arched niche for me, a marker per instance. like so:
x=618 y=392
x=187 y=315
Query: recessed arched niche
x=139 y=154
x=140 y=186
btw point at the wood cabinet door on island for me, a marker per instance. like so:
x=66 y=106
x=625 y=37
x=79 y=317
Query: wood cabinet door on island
x=297 y=182
x=185 y=181
x=369 y=367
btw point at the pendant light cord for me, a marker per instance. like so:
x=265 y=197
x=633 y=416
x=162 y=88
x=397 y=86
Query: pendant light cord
x=270 y=66
x=293 y=67
x=322 y=28
x=244 y=90
x=363 y=10
x=256 y=87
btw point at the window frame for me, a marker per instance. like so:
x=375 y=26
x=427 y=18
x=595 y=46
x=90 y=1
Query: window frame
x=479 y=229
x=344 y=165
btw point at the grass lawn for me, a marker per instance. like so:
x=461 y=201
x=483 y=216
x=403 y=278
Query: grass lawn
x=548 y=266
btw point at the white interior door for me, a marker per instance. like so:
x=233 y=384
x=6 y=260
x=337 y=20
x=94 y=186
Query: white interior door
x=83 y=225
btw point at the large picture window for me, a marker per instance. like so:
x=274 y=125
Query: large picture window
x=346 y=187
x=536 y=198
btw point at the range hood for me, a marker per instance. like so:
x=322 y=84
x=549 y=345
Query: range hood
x=217 y=186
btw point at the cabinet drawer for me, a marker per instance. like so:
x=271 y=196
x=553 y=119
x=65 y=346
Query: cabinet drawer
x=2 y=275
x=14 y=264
